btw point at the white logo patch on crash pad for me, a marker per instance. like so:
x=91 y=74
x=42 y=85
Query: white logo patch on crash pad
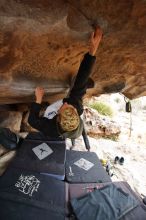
x=84 y=164
x=28 y=184
x=42 y=151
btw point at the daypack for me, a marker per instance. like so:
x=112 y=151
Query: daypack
x=8 y=139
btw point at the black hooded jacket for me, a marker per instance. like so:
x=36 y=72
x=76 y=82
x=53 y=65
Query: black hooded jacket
x=49 y=126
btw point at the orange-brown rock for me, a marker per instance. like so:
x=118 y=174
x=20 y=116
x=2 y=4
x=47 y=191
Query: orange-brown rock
x=42 y=43
x=98 y=125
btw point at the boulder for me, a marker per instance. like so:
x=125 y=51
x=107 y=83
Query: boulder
x=11 y=120
x=42 y=43
x=97 y=125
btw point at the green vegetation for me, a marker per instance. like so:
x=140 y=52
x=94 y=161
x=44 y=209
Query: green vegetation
x=113 y=137
x=102 y=108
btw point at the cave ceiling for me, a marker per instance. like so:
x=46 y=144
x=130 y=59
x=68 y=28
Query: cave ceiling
x=42 y=43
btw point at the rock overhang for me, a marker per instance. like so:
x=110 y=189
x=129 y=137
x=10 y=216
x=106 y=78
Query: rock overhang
x=43 y=42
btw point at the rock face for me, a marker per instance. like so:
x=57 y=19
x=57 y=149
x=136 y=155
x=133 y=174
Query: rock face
x=98 y=125
x=11 y=120
x=42 y=43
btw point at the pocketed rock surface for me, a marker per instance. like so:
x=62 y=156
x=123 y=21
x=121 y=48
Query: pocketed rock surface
x=42 y=43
